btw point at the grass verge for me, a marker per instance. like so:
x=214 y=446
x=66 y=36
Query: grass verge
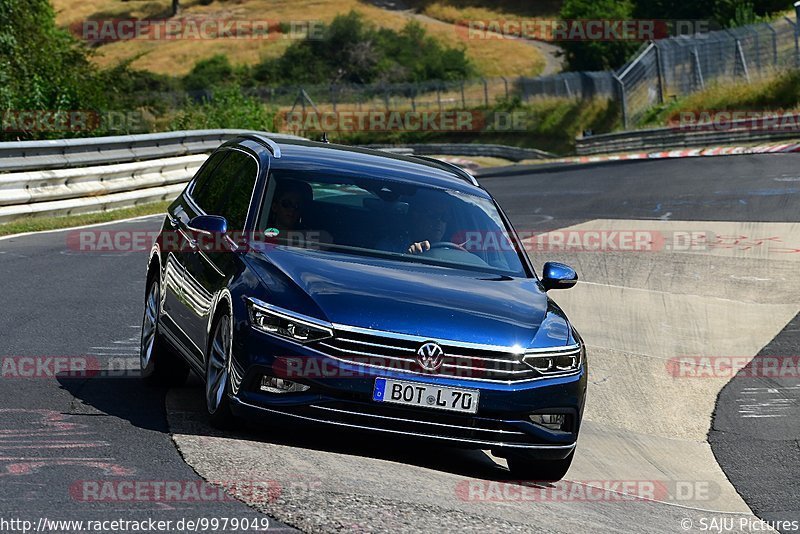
x=38 y=224
x=549 y=124
x=779 y=92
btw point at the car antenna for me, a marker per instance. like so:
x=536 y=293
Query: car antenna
x=324 y=138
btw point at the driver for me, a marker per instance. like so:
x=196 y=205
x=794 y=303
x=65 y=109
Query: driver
x=428 y=222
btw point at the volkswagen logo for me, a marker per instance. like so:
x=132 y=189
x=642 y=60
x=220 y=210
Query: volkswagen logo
x=430 y=356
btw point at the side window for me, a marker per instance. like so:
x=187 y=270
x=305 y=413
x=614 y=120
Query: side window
x=226 y=191
x=240 y=190
x=206 y=171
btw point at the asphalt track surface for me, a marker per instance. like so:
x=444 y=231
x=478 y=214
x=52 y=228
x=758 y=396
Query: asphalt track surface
x=735 y=295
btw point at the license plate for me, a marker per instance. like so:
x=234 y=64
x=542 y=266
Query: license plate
x=425 y=395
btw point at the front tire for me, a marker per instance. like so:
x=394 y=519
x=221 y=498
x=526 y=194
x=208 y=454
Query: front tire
x=158 y=362
x=218 y=361
x=525 y=467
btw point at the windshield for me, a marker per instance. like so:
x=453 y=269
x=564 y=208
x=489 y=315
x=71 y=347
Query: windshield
x=393 y=220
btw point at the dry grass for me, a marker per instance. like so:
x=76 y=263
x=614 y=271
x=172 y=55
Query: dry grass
x=480 y=8
x=492 y=58
x=39 y=224
x=450 y=13
x=778 y=91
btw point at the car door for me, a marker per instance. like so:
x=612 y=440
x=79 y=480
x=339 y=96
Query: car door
x=210 y=266
x=176 y=248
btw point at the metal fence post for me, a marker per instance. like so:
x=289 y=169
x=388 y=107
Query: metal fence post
x=797 y=34
x=623 y=100
x=463 y=100
x=698 y=71
x=740 y=58
x=659 y=66
x=505 y=83
x=485 y=92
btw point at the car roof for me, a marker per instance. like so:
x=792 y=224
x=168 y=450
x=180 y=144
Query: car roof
x=297 y=154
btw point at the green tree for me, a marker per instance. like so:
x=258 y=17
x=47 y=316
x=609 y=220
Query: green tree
x=207 y=73
x=351 y=50
x=228 y=108
x=43 y=67
x=597 y=55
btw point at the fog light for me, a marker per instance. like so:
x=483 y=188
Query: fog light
x=273 y=384
x=550 y=420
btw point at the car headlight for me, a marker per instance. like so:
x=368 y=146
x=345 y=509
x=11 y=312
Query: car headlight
x=286 y=323
x=555 y=361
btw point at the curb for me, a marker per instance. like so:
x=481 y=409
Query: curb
x=685 y=153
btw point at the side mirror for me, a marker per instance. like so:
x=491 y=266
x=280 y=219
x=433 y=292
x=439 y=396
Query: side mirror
x=209 y=224
x=558 y=276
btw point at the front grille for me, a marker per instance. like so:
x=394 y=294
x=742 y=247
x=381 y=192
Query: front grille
x=399 y=352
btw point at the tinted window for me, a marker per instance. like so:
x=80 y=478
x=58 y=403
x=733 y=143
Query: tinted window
x=375 y=217
x=206 y=171
x=226 y=191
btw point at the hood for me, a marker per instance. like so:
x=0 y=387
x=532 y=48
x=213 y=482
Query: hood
x=411 y=298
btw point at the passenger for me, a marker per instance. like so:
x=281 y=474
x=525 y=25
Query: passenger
x=292 y=199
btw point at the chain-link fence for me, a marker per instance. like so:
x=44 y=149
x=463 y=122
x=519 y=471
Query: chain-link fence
x=678 y=66
x=661 y=70
x=438 y=95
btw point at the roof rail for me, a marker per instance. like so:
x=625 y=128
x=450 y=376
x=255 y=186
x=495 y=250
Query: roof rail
x=266 y=141
x=455 y=168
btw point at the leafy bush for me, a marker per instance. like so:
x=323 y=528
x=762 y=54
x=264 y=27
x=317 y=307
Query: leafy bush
x=41 y=66
x=227 y=108
x=597 y=55
x=352 y=51
x=208 y=73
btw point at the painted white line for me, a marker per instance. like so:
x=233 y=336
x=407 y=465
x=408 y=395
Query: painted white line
x=658 y=291
x=24 y=234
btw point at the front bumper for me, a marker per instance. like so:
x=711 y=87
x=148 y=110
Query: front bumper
x=342 y=396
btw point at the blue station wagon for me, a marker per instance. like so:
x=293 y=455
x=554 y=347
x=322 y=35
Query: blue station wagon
x=367 y=290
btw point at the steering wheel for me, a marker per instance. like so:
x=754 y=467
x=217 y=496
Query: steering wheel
x=446 y=245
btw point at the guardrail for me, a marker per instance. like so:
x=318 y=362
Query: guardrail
x=68 y=153
x=71 y=176
x=510 y=153
x=738 y=132
x=86 y=189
